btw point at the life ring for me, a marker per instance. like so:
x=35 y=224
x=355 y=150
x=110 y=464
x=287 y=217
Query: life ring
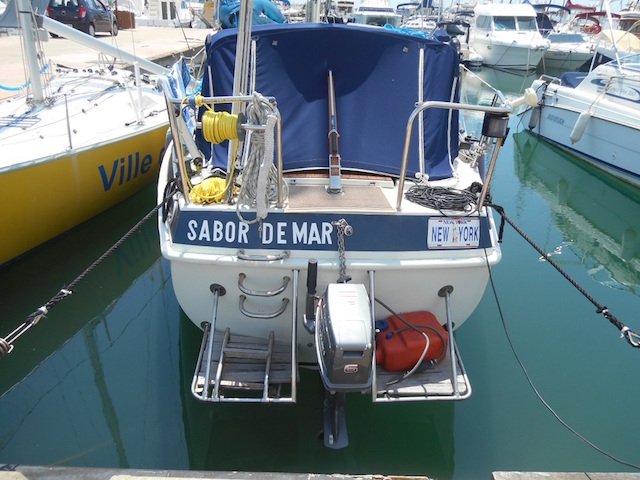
x=593 y=29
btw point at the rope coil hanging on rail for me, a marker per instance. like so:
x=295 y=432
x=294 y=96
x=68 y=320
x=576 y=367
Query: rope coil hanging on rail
x=629 y=335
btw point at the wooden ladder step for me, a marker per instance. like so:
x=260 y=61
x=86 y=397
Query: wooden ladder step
x=250 y=370
x=239 y=352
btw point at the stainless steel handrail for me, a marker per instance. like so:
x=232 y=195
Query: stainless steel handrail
x=435 y=104
x=176 y=101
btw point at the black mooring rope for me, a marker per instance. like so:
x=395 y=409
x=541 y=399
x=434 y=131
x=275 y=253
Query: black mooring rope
x=6 y=343
x=537 y=392
x=632 y=337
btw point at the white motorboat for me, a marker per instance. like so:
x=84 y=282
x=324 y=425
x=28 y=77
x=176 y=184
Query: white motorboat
x=593 y=115
x=507 y=36
x=568 y=51
x=320 y=209
x=420 y=23
x=376 y=12
x=74 y=142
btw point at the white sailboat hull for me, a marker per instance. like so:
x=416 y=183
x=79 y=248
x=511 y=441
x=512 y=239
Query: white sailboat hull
x=405 y=281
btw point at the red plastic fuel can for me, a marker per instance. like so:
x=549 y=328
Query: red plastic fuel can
x=399 y=346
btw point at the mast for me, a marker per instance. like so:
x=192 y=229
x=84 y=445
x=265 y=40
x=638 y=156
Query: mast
x=26 y=25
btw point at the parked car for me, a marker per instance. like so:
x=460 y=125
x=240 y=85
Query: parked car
x=88 y=16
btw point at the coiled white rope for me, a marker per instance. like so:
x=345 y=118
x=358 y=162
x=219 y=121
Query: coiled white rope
x=259 y=186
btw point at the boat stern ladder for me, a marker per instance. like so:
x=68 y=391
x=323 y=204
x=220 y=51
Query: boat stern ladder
x=241 y=368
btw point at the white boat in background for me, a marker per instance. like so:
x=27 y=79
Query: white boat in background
x=420 y=23
x=568 y=51
x=629 y=21
x=507 y=36
x=74 y=142
x=320 y=196
x=593 y=115
x=376 y=12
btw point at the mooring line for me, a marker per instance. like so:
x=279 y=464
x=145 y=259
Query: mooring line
x=632 y=337
x=6 y=343
x=588 y=442
x=535 y=390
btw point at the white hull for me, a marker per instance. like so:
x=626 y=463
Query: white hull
x=568 y=55
x=600 y=126
x=513 y=55
x=405 y=281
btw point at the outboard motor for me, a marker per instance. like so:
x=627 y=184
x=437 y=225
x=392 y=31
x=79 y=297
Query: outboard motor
x=344 y=337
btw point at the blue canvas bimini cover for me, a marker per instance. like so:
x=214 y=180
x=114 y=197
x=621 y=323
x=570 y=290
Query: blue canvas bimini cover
x=375 y=73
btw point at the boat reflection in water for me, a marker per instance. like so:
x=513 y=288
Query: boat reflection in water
x=597 y=214
x=415 y=437
x=88 y=385
x=502 y=79
x=104 y=379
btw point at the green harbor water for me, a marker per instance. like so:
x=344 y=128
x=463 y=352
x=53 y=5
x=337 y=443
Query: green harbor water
x=104 y=379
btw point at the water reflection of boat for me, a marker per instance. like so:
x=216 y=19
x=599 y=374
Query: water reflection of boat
x=92 y=371
x=507 y=81
x=114 y=275
x=598 y=215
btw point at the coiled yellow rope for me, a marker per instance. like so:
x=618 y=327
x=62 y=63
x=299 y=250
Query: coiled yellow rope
x=219 y=126
x=216 y=128
x=211 y=190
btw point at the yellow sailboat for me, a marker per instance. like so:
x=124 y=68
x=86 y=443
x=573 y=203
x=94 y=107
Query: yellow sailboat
x=74 y=143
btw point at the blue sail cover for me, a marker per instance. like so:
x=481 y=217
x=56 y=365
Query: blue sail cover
x=375 y=73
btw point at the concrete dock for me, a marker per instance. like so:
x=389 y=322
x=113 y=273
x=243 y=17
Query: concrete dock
x=23 y=472
x=162 y=45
